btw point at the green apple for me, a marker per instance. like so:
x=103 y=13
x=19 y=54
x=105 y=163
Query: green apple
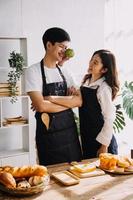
x=69 y=53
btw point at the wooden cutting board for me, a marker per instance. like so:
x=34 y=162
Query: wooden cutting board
x=66 y=178
x=96 y=172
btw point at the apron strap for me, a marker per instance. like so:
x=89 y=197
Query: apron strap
x=63 y=77
x=44 y=88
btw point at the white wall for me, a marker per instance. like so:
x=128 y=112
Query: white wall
x=118 y=33
x=10 y=18
x=83 y=19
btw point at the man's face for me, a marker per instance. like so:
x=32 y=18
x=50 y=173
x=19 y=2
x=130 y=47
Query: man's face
x=57 y=50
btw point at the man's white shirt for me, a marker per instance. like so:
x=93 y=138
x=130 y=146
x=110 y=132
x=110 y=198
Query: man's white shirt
x=33 y=77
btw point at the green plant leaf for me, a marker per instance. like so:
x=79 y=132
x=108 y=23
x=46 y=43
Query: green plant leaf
x=16 y=62
x=119 y=122
x=116 y=127
x=127 y=96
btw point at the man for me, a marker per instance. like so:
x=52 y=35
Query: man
x=56 y=132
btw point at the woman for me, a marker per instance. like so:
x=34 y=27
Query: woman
x=97 y=113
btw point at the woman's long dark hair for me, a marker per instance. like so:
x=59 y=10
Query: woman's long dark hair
x=111 y=76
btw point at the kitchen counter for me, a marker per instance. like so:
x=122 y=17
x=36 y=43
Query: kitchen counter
x=105 y=187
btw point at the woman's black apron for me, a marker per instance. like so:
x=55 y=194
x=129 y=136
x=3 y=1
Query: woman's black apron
x=60 y=143
x=91 y=123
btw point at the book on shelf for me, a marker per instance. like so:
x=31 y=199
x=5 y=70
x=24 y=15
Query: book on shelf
x=5 y=90
x=4 y=85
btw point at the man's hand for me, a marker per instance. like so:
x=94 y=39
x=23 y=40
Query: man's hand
x=102 y=149
x=49 y=98
x=32 y=107
x=64 y=59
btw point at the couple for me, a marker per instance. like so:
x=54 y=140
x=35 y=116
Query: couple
x=52 y=91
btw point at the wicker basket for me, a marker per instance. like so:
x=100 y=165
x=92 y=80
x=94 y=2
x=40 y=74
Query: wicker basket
x=26 y=191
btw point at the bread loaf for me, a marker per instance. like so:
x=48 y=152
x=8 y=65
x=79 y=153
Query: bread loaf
x=7 y=180
x=26 y=171
x=23 y=184
x=35 y=180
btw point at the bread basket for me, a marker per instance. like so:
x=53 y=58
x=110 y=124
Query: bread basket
x=26 y=191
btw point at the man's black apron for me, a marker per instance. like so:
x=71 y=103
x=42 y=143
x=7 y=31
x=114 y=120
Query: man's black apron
x=60 y=142
x=91 y=123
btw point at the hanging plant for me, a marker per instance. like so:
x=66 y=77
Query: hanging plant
x=16 y=62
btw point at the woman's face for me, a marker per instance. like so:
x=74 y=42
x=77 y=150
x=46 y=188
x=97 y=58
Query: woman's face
x=95 y=65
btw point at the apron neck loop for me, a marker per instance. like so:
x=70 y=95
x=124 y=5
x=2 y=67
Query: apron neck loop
x=63 y=77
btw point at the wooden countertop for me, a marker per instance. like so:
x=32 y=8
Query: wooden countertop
x=105 y=187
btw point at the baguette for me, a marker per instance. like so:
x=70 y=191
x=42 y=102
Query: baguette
x=7 y=180
x=26 y=171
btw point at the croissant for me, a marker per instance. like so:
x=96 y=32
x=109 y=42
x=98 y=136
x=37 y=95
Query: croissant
x=7 y=180
x=108 y=161
x=26 y=171
x=122 y=162
x=115 y=162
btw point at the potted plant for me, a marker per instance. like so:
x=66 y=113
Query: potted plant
x=16 y=62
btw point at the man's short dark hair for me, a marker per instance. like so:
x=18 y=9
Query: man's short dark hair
x=55 y=34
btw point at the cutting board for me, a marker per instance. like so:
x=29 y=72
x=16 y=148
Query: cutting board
x=96 y=172
x=66 y=178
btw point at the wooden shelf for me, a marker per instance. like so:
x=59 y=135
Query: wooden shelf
x=16 y=143
x=12 y=126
